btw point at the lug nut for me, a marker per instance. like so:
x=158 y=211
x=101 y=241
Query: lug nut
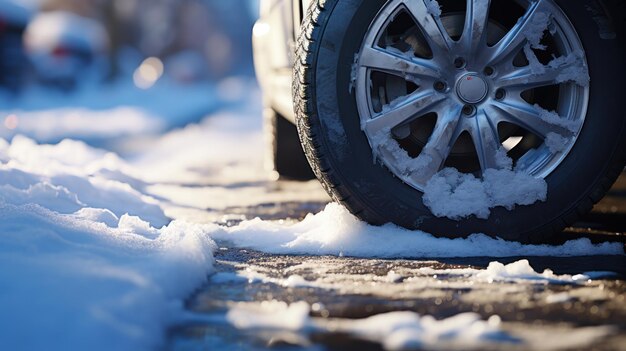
x=489 y=71
x=500 y=94
x=440 y=86
x=459 y=62
x=469 y=110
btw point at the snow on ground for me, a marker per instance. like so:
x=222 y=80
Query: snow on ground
x=72 y=282
x=102 y=112
x=335 y=231
x=401 y=330
x=91 y=260
x=77 y=268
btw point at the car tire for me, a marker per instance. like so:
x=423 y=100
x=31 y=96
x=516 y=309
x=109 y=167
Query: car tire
x=284 y=156
x=328 y=122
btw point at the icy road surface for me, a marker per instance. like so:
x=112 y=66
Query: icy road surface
x=151 y=242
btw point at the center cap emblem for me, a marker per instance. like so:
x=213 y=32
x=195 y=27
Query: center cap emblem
x=471 y=88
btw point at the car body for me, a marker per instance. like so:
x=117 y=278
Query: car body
x=274 y=38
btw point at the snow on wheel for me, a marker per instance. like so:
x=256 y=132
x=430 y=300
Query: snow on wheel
x=461 y=117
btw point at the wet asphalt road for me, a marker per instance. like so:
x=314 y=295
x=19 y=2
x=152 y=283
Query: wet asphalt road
x=355 y=288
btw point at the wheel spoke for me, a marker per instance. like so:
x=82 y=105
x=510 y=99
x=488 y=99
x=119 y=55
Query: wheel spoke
x=486 y=141
x=434 y=31
x=397 y=64
x=403 y=111
x=474 y=33
x=440 y=142
x=529 y=28
x=531 y=118
x=527 y=77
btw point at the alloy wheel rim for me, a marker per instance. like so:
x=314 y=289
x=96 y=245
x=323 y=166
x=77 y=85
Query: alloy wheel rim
x=432 y=84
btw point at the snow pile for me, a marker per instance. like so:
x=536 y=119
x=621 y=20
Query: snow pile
x=70 y=176
x=522 y=271
x=457 y=195
x=77 y=268
x=335 y=231
x=83 y=285
x=402 y=330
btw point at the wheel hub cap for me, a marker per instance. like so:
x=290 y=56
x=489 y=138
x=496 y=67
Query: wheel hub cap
x=471 y=88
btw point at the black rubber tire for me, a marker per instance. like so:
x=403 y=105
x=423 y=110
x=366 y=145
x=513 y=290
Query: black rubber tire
x=285 y=155
x=339 y=153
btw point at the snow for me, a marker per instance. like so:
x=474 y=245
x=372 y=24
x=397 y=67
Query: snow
x=535 y=29
x=113 y=278
x=536 y=67
x=516 y=275
x=559 y=298
x=433 y=7
x=457 y=195
x=573 y=68
x=553 y=118
x=403 y=162
x=335 y=231
x=70 y=176
x=394 y=330
x=269 y=315
x=105 y=113
x=82 y=284
x=522 y=271
x=403 y=330
x=556 y=143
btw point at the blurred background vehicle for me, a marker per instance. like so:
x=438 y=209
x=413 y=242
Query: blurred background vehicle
x=66 y=49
